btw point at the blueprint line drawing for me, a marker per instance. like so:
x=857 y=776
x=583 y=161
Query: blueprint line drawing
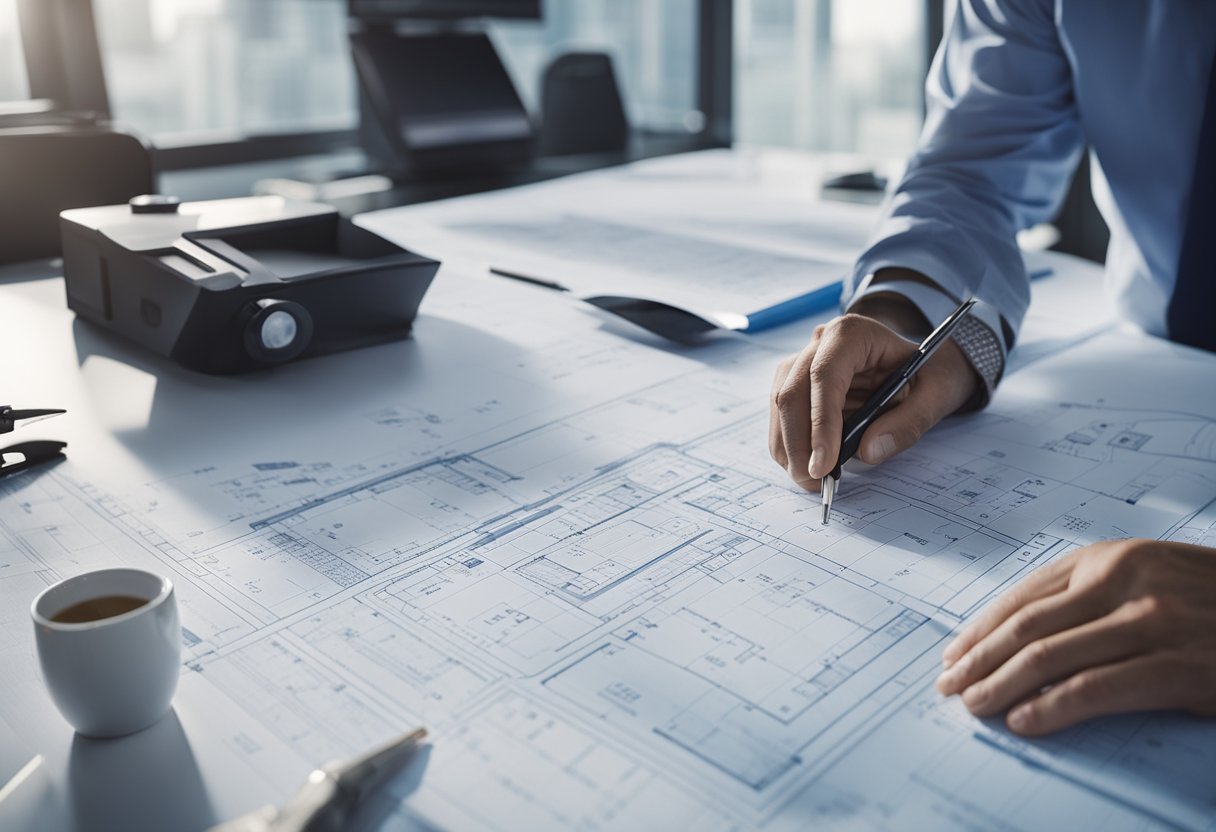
x=609 y=626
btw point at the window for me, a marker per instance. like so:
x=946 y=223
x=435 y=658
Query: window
x=835 y=75
x=202 y=70
x=13 y=85
x=652 y=44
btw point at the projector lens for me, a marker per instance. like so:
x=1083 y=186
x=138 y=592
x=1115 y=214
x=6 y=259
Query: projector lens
x=276 y=330
x=279 y=330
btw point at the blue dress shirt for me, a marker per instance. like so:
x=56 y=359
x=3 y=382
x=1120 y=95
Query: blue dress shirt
x=1016 y=91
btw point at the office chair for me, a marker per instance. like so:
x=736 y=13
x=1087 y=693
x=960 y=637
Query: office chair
x=581 y=107
x=52 y=168
x=58 y=151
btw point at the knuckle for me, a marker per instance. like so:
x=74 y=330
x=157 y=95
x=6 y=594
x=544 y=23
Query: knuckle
x=850 y=323
x=1125 y=557
x=1148 y=609
x=820 y=373
x=1037 y=656
x=1017 y=599
x=825 y=378
x=1129 y=551
x=1083 y=689
x=1024 y=626
x=785 y=397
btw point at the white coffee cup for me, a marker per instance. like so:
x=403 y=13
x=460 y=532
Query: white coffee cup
x=116 y=675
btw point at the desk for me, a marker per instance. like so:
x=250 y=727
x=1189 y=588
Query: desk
x=318 y=520
x=218 y=179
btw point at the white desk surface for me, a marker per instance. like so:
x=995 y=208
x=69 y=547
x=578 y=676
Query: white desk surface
x=134 y=418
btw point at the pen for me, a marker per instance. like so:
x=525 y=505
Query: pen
x=796 y=308
x=855 y=426
x=535 y=281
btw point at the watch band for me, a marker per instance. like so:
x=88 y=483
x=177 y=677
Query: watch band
x=983 y=349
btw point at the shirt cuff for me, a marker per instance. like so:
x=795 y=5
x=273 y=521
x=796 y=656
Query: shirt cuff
x=976 y=334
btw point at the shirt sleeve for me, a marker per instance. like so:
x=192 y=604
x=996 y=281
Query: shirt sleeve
x=1001 y=140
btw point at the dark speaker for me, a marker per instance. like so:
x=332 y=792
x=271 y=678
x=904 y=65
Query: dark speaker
x=46 y=170
x=581 y=106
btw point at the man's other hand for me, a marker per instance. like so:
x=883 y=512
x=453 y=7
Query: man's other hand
x=1128 y=625
x=846 y=360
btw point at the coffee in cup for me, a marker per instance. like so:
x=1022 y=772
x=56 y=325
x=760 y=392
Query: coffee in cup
x=110 y=647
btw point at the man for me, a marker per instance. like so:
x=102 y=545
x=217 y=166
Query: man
x=1016 y=90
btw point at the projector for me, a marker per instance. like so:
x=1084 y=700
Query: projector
x=233 y=285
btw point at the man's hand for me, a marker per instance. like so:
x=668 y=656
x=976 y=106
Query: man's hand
x=847 y=360
x=1119 y=626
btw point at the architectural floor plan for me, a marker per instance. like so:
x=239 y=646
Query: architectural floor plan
x=623 y=617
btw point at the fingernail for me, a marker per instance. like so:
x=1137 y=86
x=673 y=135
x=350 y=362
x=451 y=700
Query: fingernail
x=817 y=455
x=882 y=447
x=1019 y=718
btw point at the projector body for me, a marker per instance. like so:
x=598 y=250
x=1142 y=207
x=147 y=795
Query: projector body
x=228 y=286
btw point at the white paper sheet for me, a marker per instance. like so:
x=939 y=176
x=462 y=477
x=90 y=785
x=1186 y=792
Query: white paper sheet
x=718 y=241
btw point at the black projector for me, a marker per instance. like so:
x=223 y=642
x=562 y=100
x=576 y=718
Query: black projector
x=232 y=285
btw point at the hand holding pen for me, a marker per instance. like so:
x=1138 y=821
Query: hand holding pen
x=847 y=363
x=861 y=419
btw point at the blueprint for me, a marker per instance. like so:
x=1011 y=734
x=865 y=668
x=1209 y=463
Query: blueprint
x=622 y=617
x=569 y=556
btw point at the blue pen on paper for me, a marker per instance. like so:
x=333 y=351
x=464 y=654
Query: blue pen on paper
x=814 y=302
x=795 y=309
